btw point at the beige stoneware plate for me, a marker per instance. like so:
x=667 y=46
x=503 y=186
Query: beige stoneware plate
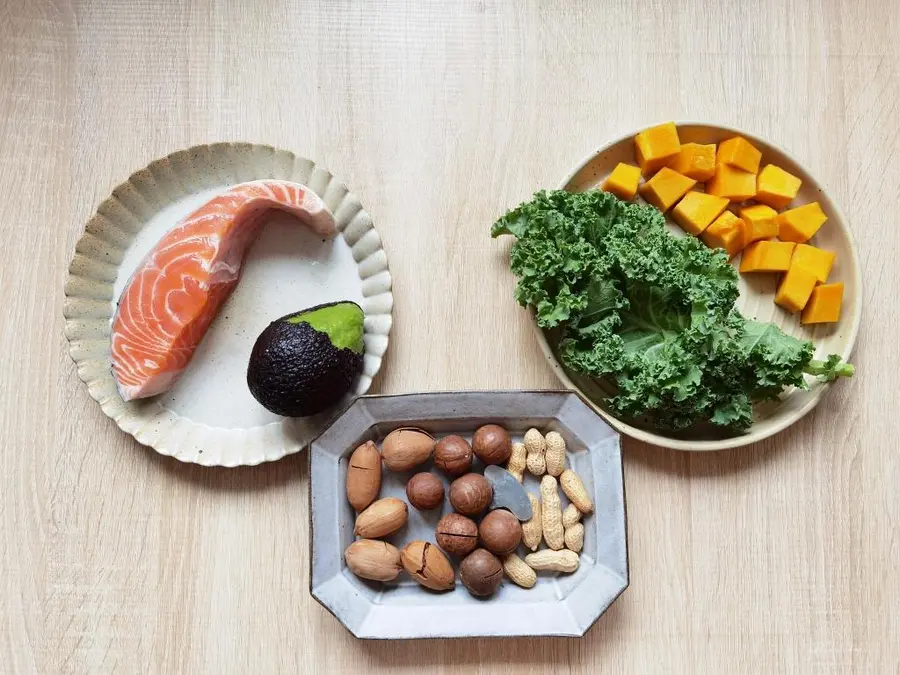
x=757 y=293
x=210 y=417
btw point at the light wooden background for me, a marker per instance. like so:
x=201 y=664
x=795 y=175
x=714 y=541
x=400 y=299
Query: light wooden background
x=781 y=557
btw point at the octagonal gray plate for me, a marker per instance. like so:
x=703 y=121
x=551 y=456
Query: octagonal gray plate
x=559 y=605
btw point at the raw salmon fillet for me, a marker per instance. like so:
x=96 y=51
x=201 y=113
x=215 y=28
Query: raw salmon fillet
x=174 y=295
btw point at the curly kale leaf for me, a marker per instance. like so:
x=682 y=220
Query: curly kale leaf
x=651 y=312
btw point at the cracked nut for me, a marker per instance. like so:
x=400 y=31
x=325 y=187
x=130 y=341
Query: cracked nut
x=456 y=534
x=453 y=455
x=425 y=563
x=481 y=572
x=363 y=476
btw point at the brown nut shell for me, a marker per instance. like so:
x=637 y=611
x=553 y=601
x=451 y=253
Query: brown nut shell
x=425 y=563
x=481 y=572
x=363 y=476
x=406 y=447
x=500 y=532
x=492 y=444
x=372 y=559
x=456 y=534
x=453 y=455
x=382 y=518
x=425 y=491
x=471 y=494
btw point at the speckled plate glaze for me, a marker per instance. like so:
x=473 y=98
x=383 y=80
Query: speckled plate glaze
x=756 y=299
x=210 y=417
x=558 y=605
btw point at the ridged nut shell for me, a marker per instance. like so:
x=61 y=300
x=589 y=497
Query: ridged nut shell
x=363 y=476
x=406 y=448
x=371 y=559
x=382 y=518
x=425 y=563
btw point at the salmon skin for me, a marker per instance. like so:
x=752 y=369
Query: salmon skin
x=174 y=295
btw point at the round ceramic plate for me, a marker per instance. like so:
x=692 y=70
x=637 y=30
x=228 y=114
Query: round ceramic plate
x=209 y=417
x=756 y=300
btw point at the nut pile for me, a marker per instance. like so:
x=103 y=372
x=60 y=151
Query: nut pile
x=485 y=542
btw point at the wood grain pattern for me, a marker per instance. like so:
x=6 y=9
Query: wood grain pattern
x=777 y=558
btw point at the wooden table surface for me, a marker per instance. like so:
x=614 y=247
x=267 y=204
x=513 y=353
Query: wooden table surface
x=781 y=557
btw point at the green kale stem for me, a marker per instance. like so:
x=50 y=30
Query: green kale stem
x=829 y=370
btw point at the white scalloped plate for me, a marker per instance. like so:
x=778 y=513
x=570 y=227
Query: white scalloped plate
x=210 y=417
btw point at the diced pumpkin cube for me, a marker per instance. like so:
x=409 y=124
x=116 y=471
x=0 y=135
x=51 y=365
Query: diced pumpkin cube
x=795 y=288
x=767 y=256
x=736 y=184
x=696 y=161
x=816 y=260
x=739 y=153
x=656 y=147
x=697 y=210
x=666 y=188
x=623 y=181
x=776 y=187
x=760 y=223
x=802 y=223
x=726 y=231
x=824 y=304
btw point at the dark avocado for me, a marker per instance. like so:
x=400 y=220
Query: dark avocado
x=306 y=362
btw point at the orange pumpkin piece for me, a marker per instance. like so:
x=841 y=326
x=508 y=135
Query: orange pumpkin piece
x=696 y=161
x=824 y=304
x=726 y=232
x=736 y=184
x=801 y=223
x=816 y=260
x=767 y=256
x=623 y=181
x=697 y=210
x=795 y=289
x=666 y=188
x=656 y=147
x=776 y=187
x=739 y=153
x=760 y=222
